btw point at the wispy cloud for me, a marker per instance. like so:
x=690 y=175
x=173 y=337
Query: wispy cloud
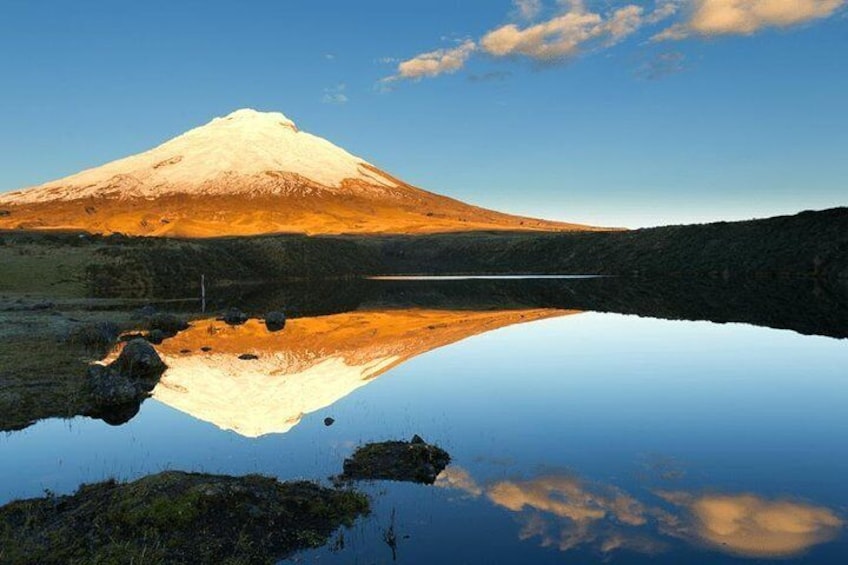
x=527 y=9
x=335 y=95
x=492 y=76
x=662 y=65
x=435 y=63
x=746 y=17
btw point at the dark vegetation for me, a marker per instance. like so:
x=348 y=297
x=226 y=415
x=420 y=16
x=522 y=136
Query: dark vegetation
x=152 y=266
x=176 y=517
x=811 y=244
x=806 y=244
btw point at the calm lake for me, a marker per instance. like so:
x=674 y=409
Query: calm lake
x=587 y=420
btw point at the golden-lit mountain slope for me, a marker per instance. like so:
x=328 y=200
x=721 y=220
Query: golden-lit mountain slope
x=248 y=173
x=310 y=365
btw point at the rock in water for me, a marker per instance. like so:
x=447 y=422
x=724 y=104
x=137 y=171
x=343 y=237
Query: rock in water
x=138 y=360
x=109 y=389
x=128 y=379
x=155 y=336
x=234 y=317
x=275 y=321
x=414 y=461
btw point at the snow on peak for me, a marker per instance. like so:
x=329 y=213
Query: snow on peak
x=244 y=143
x=248 y=117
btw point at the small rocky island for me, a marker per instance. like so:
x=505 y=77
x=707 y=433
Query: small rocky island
x=413 y=461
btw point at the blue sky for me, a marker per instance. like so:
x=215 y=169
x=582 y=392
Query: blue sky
x=605 y=112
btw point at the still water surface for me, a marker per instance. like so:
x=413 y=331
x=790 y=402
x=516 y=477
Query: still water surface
x=575 y=436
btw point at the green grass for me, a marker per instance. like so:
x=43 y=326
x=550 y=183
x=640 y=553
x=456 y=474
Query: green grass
x=44 y=270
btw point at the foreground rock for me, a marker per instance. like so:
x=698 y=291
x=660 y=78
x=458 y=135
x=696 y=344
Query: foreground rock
x=176 y=517
x=117 y=389
x=414 y=461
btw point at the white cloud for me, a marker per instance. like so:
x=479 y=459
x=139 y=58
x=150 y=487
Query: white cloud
x=435 y=63
x=576 y=29
x=335 y=95
x=565 y=35
x=745 y=17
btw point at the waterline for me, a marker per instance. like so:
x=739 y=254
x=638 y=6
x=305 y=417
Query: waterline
x=477 y=277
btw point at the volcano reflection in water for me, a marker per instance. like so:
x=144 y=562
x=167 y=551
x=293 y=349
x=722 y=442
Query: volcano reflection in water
x=310 y=365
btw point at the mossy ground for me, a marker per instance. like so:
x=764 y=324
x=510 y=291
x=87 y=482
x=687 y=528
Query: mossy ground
x=176 y=517
x=45 y=353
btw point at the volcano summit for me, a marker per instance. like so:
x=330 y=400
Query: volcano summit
x=247 y=173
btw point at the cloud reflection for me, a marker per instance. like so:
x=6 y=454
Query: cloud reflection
x=566 y=512
x=751 y=526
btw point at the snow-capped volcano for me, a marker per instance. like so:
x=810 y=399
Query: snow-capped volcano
x=244 y=143
x=244 y=174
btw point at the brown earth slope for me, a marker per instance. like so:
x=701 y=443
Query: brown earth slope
x=193 y=216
